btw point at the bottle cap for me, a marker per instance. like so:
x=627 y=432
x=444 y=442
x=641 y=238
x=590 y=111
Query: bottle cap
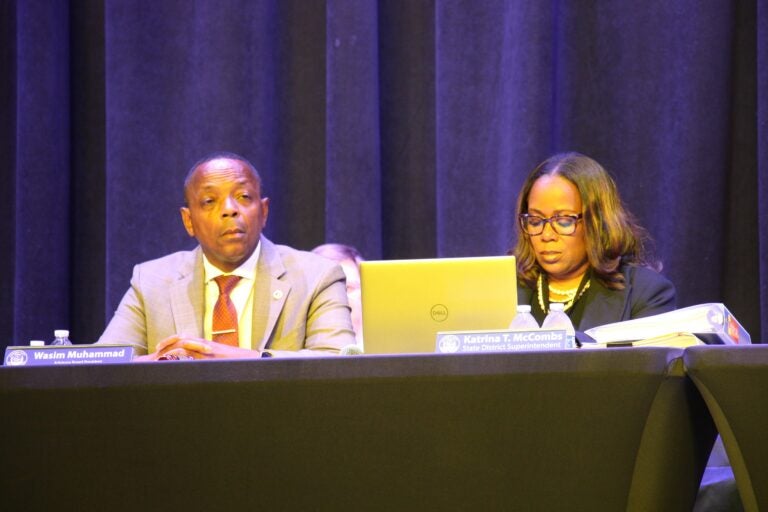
x=523 y=308
x=556 y=306
x=36 y=343
x=61 y=333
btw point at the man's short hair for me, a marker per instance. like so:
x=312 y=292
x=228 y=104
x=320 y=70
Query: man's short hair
x=215 y=156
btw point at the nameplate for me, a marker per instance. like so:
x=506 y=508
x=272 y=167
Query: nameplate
x=50 y=355
x=458 y=342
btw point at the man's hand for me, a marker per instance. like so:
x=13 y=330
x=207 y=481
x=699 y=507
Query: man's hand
x=182 y=347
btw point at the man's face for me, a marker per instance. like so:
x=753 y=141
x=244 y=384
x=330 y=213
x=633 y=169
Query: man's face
x=225 y=211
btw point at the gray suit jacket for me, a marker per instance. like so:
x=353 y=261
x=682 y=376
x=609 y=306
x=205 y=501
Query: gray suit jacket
x=299 y=304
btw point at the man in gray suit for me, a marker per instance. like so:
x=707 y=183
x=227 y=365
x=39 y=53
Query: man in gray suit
x=288 y=302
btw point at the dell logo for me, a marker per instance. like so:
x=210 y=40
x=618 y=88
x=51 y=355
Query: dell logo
x=438 y=313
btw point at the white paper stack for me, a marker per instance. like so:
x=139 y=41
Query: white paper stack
x=712 y=323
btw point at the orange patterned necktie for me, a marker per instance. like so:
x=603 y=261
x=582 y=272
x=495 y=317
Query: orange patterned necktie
x=224 y=312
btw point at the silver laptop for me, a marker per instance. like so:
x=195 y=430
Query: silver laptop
x=407 y=302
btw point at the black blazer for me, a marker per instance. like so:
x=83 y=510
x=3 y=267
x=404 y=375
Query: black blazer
x=646 y=293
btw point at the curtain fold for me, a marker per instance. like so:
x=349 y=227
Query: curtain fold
x=761 y=238
x=39 y=246
x=353 y=130
x=403 y=128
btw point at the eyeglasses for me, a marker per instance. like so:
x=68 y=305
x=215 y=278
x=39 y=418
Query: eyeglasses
x=562 y=224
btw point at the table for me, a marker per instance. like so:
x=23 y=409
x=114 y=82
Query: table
x=616 y=429
x=734 y=383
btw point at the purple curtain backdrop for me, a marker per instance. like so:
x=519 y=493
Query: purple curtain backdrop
x=402 y=127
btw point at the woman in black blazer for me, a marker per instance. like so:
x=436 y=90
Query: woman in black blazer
x=577 y=244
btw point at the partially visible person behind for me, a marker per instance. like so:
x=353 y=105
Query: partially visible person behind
x=237 y=295
x=577 y=244
x=349 y=258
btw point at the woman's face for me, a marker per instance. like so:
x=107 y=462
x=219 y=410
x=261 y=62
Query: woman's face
x=563 y=257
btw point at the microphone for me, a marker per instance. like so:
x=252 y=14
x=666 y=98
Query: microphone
x=351 y=350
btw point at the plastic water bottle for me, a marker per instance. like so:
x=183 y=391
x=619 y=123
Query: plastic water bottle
x=523 y=320
x=61 y=337
x=557 y=319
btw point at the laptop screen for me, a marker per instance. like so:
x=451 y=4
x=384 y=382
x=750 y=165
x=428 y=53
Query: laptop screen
x=407 y=302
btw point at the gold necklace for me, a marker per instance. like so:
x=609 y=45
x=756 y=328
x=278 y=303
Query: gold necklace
x=558 y=291
x=567 y=304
